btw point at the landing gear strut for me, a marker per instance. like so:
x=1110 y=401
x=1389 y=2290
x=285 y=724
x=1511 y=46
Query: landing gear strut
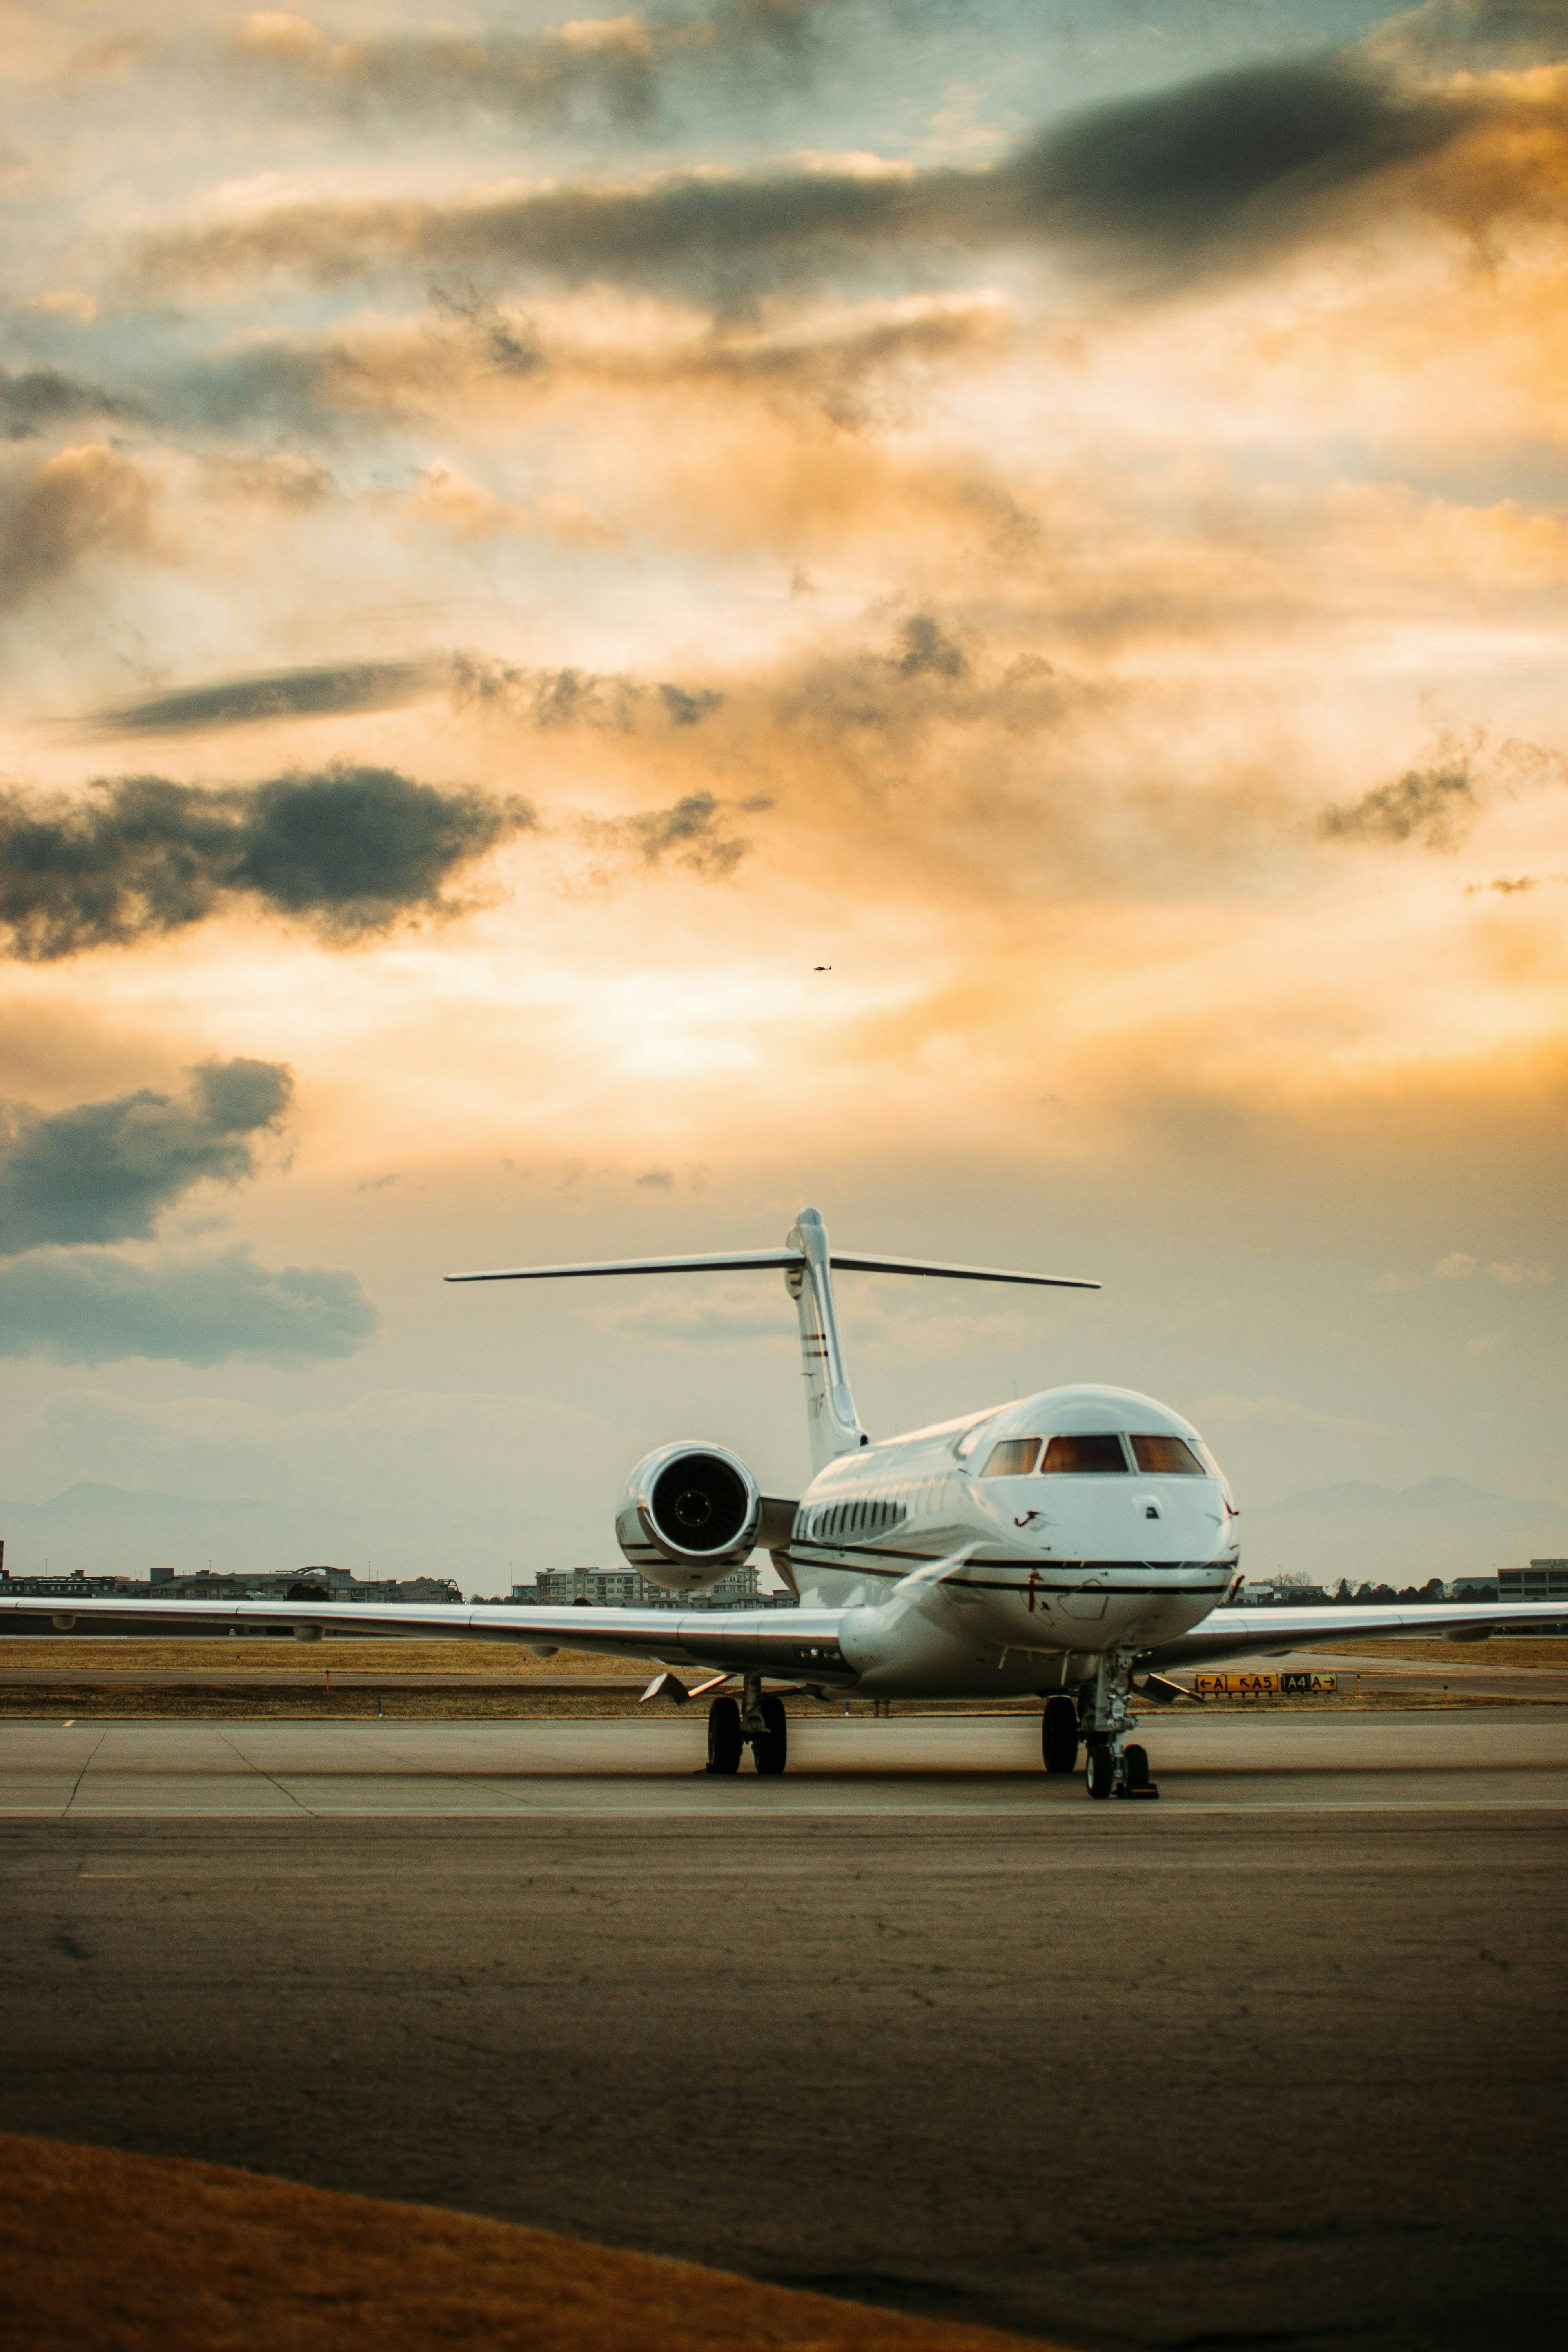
x=752 y=1721
x=1114 y=1769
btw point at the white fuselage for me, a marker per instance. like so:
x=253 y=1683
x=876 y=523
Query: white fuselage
x=1069 y=1561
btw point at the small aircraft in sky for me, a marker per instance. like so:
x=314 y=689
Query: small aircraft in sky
x=1073 y=1546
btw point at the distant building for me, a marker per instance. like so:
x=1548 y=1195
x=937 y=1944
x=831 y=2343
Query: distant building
x=1544 y=1579
x=284 y=1584
x=1474 y=1588
x=77 y=1583
x=624 y=1588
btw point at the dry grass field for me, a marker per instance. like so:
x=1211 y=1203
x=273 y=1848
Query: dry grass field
x=143 y=2253
x=311 y=1660
x=308 y=1680
x=1503 y=1650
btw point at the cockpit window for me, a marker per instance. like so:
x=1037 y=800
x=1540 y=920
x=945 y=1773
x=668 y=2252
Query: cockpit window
x=1013 y=1458
x=1077 y=1458
x=1167 y=1457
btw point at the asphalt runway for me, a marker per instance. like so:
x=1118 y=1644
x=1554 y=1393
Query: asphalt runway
x=971 y=1765
x=1280 y=2060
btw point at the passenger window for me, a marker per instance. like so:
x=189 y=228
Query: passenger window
x=1168 y=1458
x=1078 y=1457
x=1013 y=1458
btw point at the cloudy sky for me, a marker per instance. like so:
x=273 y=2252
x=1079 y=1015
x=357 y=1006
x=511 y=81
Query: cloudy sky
x=523 y=536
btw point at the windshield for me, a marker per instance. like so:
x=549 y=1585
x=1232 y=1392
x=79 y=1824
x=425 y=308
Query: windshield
x=1013 y=1458
x=1170 y=1457
x=1077 y=1458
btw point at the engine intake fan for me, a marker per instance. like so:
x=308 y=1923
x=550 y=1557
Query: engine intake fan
x=687 y=1514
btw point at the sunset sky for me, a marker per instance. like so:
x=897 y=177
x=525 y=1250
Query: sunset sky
x=522 y=537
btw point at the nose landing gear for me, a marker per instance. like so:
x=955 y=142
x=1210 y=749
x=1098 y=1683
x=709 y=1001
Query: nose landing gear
x=1114 y=1768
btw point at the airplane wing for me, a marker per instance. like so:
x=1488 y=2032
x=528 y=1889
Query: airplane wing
x=789 y=1645
x=1246 y=1632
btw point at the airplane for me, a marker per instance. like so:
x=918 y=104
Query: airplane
x=1073 y=1546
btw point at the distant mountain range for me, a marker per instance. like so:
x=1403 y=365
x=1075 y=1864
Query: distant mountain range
x=1389 y=1535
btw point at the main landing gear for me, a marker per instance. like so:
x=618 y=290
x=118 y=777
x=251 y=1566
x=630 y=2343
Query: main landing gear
x=755 y=1720
x=1114 y=1766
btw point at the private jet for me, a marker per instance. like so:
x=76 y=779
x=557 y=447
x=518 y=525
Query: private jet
x=1074 y=1547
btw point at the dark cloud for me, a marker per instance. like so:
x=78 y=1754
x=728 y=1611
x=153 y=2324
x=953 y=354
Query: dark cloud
x=1235 y=159
x=96 y=1306
x=1432 y=805
x=686 y=707
x=925 y=650
x=105 y=1171
x=36 y=400
x=1208 y=171
x=351 y=850
x=1475 y=35
x=504 y=345
x=824 y=703
x=471 y=345
x=79 y=502
x=547 y=699
x=693 y=833
x=615 y=66
x=322 y=692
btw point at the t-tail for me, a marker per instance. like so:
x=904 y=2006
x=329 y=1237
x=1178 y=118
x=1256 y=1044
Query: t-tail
x=808 y=1263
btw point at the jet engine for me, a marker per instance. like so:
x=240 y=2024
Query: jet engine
x=687 y=1515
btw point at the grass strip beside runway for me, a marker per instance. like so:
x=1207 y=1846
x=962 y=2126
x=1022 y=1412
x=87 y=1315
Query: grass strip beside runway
x=142 y=2254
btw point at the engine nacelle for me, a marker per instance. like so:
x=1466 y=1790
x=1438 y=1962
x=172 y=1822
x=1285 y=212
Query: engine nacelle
x=687 y=1513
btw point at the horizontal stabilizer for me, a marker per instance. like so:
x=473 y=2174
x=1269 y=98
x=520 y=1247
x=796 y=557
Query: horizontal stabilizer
x=721 y=1262
x=746 y=1261
x=858 y=1264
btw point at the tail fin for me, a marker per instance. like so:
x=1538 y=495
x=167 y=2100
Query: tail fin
x=807 y=1262
x=832 y=1422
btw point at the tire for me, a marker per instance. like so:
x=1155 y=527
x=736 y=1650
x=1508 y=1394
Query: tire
x=1099 y=1769
x=770 y=1750
x=1137 y=1762
x=724 y=1741
x=1059 y=1735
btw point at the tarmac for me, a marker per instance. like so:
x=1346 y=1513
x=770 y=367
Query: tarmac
x=1280 y=2060
x=855 y=1768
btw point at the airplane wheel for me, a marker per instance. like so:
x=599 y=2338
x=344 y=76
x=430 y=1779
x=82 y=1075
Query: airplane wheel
x=1137 y=1762
x=1099 y=1769
x=724 y=1741
x=1059 y=1734
x=770 y=1750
